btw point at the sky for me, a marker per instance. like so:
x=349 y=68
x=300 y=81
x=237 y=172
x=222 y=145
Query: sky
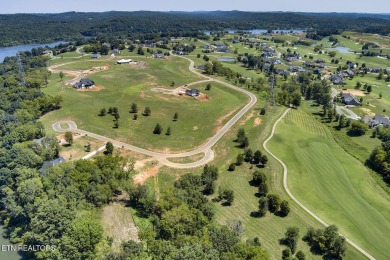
x=59 y=6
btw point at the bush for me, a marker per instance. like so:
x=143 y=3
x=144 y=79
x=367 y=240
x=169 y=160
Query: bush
x=262 y=111
x=232 y=167
x=158 y=129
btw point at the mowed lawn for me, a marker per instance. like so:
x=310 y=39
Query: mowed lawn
x=125 y=84
x=331 y=183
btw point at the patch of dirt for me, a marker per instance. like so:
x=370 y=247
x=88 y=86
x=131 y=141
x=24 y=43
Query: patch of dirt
x=195 y=128
x=61 y=138
x=142 y=94
x=104 y=67
x=257 y=121
x=368 y=112
x=203 y=97
x=355 y=92
x=147 y=173
x=118 y=224
x=246 y=119
x=94 y=89
x=219 y=123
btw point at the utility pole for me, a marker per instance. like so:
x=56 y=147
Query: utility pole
x=272 y=81
x=21 y=74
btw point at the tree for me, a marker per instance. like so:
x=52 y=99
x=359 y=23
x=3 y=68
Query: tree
x=116 y=124
x=300 y=255
x=232 y=167
x=240 y=159
x=116 y=116
x=134 y=108
x=369 y=89
x=257 y=157
x=296 y=99
x=330 y=115
x=61 y=75
x=263 y=206
x=248 y=155
x=176 y=116
x=259 y=177
x=103 y=112
x=240 y=135
x=284 y=208
x=168 y=131
x=262 y=111
x=110 y=110
x=158 y=129
x=245 y=142
x=263 y=189
x=380 y=94
x=286 y=254
x=135 y=117
x=147 y=111
x=273 y=202
x=291 y=238
x=115 y=110
x=208 y=87
x=109 y=148
x=358 y=128
x=69 y=138
x=140 y=51
x=264 y=159
x=229 y=196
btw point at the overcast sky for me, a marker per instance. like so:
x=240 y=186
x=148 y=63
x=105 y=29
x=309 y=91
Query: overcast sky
x=59 y=6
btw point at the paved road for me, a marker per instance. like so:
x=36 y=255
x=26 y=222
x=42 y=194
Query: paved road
x=162 y=157
x=285 y=185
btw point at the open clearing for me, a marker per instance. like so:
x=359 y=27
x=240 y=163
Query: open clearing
x=333 y=184
x=124 y=85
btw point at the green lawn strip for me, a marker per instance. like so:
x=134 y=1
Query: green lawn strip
x=332 y=184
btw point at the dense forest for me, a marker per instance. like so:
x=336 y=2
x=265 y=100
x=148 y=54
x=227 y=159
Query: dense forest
x=31 y=28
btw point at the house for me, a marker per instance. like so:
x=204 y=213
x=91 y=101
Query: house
x=96 y=56
x=116 y=51
x=158 y=55
x=47 y=52
x=84 y=83
x=349 y=99
x=48 y=164
x=124 y=61
x=382 y=119
x=377 y=120
x=192 y=92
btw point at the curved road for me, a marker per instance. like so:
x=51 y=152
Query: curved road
x=162 y=157
x=285 y=185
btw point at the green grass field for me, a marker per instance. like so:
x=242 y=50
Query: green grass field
x=123 y=85
x=334 y=185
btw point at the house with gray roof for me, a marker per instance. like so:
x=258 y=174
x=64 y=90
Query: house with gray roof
x=349 y=99
x=48 y=164
x=85 y=83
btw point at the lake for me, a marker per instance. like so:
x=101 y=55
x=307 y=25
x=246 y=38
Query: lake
x=341 y=49
x=9 y=255
x=261 y=31
x=12 y=51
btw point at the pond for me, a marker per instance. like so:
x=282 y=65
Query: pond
x=341 y=49
x=227 y=59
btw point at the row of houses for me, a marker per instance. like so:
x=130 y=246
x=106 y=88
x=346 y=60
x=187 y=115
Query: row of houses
x=379 y=119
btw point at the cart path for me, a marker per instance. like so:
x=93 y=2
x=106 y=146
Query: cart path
x=162 y=157
x=285 y=186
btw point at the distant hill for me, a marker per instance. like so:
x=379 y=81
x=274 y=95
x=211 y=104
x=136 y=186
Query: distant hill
x=31 y=28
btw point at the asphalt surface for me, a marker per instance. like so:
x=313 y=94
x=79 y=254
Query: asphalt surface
x=342 y=110
x=285 y=185
x=162 y=157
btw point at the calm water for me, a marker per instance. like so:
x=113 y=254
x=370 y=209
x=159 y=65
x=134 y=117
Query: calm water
x=11 y=51
x=7 y=255
x=261 y=31
x=227 y=59
x=339 y=49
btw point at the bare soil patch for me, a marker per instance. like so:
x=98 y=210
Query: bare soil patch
x=257 y=121
x=246 y=119
x=203 y=97
x=354 y=92
x=146 y=173
x=219 y=123
x=195 y=128
x=118 y=224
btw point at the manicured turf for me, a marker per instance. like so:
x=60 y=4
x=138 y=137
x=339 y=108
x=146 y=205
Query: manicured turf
x=123 y=85
x=332 y=184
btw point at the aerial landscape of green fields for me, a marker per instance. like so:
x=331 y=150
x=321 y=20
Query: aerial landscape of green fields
x=255 y=134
